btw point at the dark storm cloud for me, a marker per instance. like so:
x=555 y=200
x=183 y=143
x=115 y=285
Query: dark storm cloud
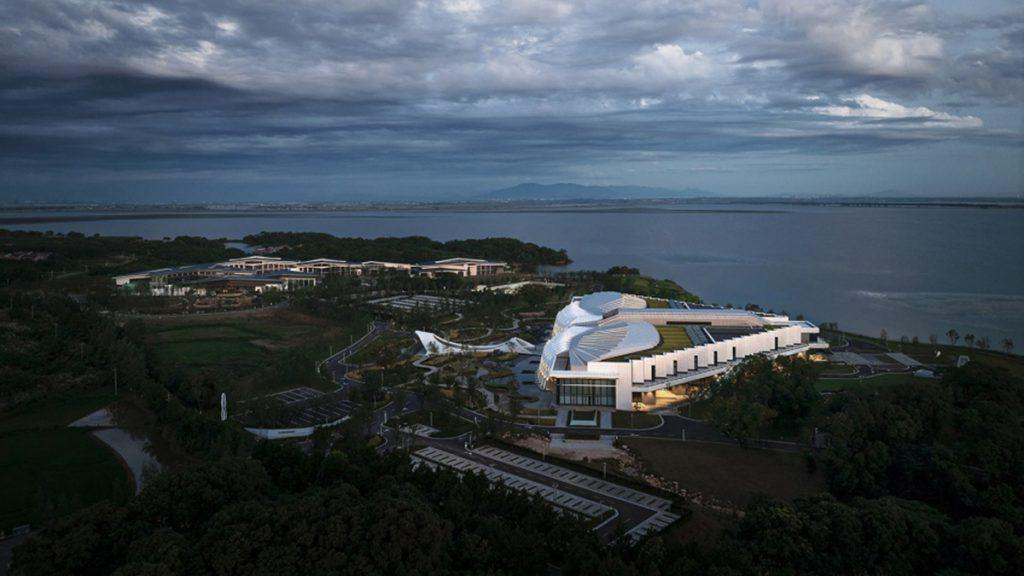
x=108 y=91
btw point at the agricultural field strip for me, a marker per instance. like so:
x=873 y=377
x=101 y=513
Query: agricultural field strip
x=559 y=498
x=565 y=475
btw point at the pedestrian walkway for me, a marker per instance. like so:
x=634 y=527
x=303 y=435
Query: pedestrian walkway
x=582 y=480
x=560 y=498
x=905 y=360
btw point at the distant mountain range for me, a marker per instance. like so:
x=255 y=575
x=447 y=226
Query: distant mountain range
x=566 y=191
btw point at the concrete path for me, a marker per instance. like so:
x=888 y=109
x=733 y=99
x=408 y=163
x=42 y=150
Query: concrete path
x=133 y=451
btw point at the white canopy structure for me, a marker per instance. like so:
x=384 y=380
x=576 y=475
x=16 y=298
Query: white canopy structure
x=435 y=345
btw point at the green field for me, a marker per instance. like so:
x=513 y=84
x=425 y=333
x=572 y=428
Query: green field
x=48 y=470
x=655 y=303
x=55 y=411
x=45 y=474
x=254 y=355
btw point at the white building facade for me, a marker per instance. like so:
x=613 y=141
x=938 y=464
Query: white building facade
x=610 y=350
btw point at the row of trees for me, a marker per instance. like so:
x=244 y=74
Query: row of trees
x=983 y=342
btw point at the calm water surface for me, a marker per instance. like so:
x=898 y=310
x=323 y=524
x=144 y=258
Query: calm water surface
x=912 y=271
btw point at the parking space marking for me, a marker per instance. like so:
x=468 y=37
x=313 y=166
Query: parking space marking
x=630 y=495
x=560 y=498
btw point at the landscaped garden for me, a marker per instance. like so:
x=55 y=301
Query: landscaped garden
x=673 y=337
x=447 y=424
x=623 y=419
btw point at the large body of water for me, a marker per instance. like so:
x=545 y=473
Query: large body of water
x=908 y=270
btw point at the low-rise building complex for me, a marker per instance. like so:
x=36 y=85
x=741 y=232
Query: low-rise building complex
x=262 y=273
x=627 y=352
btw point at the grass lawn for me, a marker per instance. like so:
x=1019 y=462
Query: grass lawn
x=925 y=352
x=621 y=419
x=45 y=474
x=54 y=412
x=203 y=353
x=256 y=354
x=543 y=421
x=673 y=337
x=653 y=303
x=836 y=384
x=729 y=473
x=49 y=470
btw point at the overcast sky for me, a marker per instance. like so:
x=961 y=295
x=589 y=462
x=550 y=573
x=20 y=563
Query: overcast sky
x=386 y=99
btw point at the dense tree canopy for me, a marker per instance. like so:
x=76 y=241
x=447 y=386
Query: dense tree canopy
x=103 y=255
x=957 y=444
x=764 y=392
x=287 y=513
x=307 y=245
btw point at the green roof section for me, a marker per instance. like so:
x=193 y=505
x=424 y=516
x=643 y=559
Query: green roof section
x=673 y=337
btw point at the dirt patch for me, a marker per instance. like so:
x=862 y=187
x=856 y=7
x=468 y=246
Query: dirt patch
x=621 y=459
x=725 y=476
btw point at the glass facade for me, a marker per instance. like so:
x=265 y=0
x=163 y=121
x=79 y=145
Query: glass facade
x=585 y=392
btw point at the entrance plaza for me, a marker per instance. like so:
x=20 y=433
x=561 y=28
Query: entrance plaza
x=610 y=350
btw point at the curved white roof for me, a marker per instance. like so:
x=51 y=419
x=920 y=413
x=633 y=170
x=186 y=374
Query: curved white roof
x=559 y=344
x=434 y=344
x=612 y=340
x=591 y=308
x=715 y=316
x=590 y=344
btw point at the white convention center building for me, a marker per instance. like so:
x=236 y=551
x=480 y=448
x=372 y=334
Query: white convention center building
x=609 y=349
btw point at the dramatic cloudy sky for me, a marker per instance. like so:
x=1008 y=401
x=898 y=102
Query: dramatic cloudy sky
x=376 y=99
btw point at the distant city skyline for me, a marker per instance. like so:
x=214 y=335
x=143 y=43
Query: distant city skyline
x=230 y=101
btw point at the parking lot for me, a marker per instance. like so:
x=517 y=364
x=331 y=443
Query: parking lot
x=308 y=407
x=637 y=512
x=422 y=301
x=560 y=498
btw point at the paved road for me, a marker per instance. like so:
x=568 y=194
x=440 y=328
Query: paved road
x=336 y=365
